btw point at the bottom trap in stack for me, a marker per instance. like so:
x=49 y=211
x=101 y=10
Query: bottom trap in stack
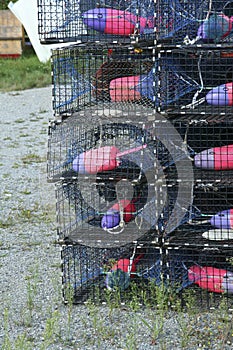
x=91 y=273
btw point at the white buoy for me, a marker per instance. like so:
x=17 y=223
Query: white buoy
x=218 y=235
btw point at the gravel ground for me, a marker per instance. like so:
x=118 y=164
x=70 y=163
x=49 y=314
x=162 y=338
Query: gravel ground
x=33 y=315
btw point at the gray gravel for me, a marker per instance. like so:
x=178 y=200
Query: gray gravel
x=33 y=315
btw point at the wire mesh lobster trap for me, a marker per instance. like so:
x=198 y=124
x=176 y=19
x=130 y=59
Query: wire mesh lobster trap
x=113 y=213
x=89 y=212
x=209 y=142
x=97 y=198
x=210 y=80
x=181 y=22
x=182 y=80
x=91 y=273
x=141 y=145
x=205 y=271
x=89 y=20
x=98 y=74
x=101 y=136
x=82 y=73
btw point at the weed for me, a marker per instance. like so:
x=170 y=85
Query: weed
x=16 y=166
x=8 y=222
x=26 y=213
x=32 y=158
x=131 y=341
x=8 y=138
x=26 y=192
x=32 y=282
x=134 y=297
x=19 y=120
x=51 y=330
x=155 y=327
x=69 y=295
x=24 y=135
x=6 y=342
x=5 y=176
x=23 y=343
x=42 y=111
x=101 y=331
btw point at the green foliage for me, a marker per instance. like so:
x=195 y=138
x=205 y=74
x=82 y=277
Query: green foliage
x=6 y=340
x=25 y=72
x=4 y=4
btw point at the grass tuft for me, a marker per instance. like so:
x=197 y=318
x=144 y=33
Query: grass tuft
x=25 y=72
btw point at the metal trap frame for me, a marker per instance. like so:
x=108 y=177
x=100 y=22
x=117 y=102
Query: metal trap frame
x=179 y=80
x=89 y=20
x=99 y=274
x=97 y=74
x=141 y=146
x=163 y=222
x=195 y=22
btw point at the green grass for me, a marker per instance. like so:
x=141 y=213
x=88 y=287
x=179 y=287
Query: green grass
x=25 y=72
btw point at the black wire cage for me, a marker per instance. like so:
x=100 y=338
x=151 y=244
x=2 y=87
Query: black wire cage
x=108 y=138
x=99 y=274
x=178 y=21
x=174 y=81
x=82 y=75
x=141 y=145
x=89 y=20
x=178 y=197
x=191 y=23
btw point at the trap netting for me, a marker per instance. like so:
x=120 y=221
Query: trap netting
x=211 y=70
x=92 y=273
x=82 y=73
x=97 y=74
x=106 y=197
x=113 y=213
x=101 y=136
x=190 y=22
x=89 y=20
x=210 y=141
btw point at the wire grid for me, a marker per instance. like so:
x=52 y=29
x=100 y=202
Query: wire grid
x=212 y=187
x=87 y=272
x=210 y=68
x=212 y=199
x=204 y=131
x=206 y=271
x=82 y=210
x=178 y=21
x=97 y=74
x=210 y=192
x=173 y=81
x=83 y=268
x=83 y=132
x=75 y=135
x=82 y=73
x=168 y=263
x=88 y=20
x=184 y=80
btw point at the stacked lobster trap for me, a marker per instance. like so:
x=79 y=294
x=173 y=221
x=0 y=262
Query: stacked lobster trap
x=141 y=144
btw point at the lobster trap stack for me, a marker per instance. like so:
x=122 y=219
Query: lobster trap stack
x=141 y=145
